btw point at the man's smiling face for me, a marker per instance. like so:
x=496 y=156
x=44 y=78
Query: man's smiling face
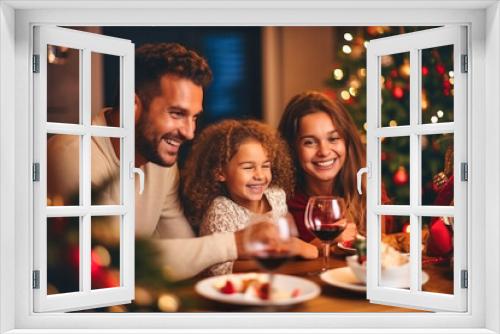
x=169 y=121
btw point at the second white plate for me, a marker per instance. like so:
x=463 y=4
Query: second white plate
x=344 y=278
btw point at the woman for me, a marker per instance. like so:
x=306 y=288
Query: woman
x=327 y=151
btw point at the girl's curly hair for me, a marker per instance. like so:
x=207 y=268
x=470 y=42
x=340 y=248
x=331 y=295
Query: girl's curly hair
x=214 y=148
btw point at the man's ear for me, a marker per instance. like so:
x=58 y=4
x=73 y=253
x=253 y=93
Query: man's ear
x=219 y=175
x=137 y=108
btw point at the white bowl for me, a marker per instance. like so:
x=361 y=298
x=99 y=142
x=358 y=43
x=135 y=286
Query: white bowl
x=396 y=277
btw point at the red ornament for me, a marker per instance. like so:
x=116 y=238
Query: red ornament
x=94 y=262
x=406 y=228
x=440 y=69
x=394 y=73
x=398 y=92
x=388 y=84
x=425 y=70
x=400 y=177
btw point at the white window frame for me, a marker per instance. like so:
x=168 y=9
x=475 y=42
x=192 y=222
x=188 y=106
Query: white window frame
x=413 y=44
x=16 y=20
x=86 y=44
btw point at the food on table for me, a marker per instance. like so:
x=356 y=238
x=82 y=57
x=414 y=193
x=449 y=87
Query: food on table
x=401 y=241
x=390 y=257
x=252 y=286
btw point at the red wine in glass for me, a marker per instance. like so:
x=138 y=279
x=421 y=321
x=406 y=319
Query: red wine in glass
x=271 y=261
x=327 y=233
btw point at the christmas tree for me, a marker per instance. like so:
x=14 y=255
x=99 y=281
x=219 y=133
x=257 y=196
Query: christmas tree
x=347 y=83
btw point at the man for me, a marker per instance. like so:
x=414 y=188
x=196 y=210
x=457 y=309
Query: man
x=169 y=83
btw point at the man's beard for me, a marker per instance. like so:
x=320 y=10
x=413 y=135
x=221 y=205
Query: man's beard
x=149 y=148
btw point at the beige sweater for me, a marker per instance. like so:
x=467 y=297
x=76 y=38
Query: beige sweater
x=158 y=210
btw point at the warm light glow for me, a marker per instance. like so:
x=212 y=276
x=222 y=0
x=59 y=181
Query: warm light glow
x=355 y=83
x=434 y=119
x=338 y=74
x=451 y=80
x=362 y=72
x=345 y=95
x=451 y=74
x=440 y=113
x=424 y=104
x=103 y=257
x=346 y=49
x=348 y=36
x=382 y=80
x=365 y=126
x=393 y=123
x=407 y=228
x=168 y=303
x=142 y=296
x=366 y=44
x=353 y=91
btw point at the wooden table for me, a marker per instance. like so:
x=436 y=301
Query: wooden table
x=331 y=299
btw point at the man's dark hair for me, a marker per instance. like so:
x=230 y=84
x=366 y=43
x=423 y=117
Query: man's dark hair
x=152 y=61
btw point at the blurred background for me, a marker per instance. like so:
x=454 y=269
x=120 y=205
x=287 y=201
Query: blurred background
x=256 y=71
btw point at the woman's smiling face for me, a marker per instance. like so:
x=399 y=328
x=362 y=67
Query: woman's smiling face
x=320 y=149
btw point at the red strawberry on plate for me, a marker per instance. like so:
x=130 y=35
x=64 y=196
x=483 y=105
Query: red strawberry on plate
x=228 y=288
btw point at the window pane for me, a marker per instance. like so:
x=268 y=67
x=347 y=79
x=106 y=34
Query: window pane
x=437 y=257
x=395 y=167
x=105 y=256
x=63 y=170
x=395 y=89
x=105 y=83
x=394 y=251
x=63 y=84
x=437 y=170
x=437 y=84
x=106 y=187
x=63 y=255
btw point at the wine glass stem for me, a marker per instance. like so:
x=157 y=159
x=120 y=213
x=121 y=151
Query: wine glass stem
x=326 y=256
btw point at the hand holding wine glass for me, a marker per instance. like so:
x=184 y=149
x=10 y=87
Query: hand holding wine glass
x=324 y=217
x=269 y=241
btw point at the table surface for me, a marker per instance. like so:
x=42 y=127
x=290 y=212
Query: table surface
x=331 y=299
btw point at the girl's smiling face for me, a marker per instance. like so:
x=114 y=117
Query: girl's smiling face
x=247 y=174
x=320 y=149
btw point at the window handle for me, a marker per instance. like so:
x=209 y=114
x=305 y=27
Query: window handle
x=138 y=171
x=360 y=172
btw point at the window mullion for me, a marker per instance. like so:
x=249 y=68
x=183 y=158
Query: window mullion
x=415 y=162
x=85 y=228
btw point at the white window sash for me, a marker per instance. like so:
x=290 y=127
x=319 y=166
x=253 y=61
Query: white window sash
x=412 y=43
x=85 y=297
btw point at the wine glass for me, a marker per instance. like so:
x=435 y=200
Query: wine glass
x=268 y=240
x=324 y=218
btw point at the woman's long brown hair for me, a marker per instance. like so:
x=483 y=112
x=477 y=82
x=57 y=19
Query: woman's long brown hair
x=345 y=182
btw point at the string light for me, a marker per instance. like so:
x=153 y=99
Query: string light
x=434 y=119
x=451 y=80
x=365 y=43
x=348 y=36
x=393 y=123
x=451 y=74
x=345 y=95
x=362 y=72
x=365 y=126
x=353 y=91
x=440 y=113
x=168 y=303
x=338 y=74
x=103 y=257
x=346 y=49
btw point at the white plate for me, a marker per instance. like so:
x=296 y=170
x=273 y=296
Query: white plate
x=344 y=278
x=285 y=283
x=341 y=245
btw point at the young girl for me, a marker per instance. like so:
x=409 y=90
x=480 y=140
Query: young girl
x=236 y=169
x=327 y=151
